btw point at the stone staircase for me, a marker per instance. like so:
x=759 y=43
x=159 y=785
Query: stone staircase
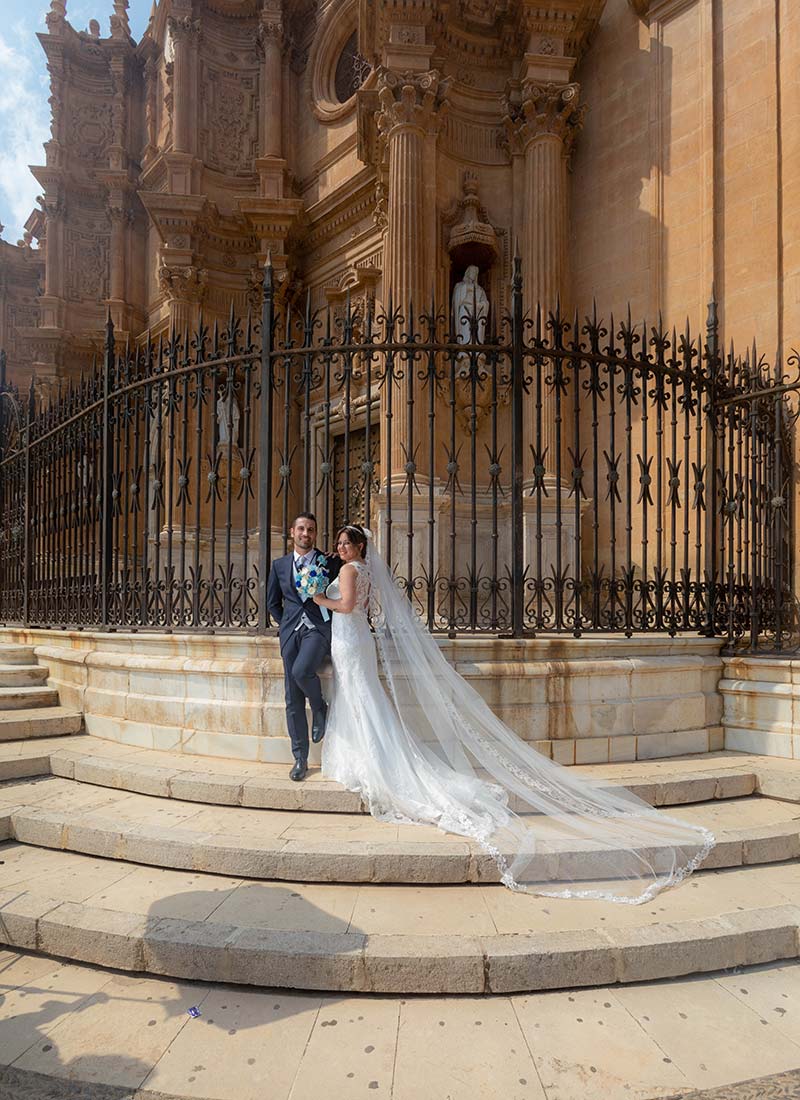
x=28 y=708
x=127 y=857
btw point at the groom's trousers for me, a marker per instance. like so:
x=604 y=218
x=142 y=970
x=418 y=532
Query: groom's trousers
x=303 y=654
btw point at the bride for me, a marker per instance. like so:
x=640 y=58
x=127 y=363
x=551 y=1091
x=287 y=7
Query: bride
x=428 y=750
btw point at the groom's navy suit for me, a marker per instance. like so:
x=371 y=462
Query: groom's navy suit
x=303 y=648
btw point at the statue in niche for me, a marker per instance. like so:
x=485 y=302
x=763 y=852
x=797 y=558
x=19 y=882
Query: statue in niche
x=470 y=303
x=228 y=416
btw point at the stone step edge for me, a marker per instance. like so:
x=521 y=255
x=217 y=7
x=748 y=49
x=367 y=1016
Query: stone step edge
x=354 y=962
x=342 y=861
x=274 y=793
x=28 y=724
x=14 y=699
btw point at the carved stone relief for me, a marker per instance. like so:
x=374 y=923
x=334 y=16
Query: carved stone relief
x=229 y=135
x=91 y=130
x=87 y=233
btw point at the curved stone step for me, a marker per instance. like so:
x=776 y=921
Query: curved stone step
x=267 y=786
x=429 y=940
x=22 y=675
x=271 y=844
x=11 y=654
x=26 y=723
x=25 y=698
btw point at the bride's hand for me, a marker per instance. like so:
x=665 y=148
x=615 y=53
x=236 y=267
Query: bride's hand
x=319 y=599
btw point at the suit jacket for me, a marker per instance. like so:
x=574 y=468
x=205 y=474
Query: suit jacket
x=283 y=600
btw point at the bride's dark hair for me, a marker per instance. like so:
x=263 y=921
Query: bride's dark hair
x=356 y=535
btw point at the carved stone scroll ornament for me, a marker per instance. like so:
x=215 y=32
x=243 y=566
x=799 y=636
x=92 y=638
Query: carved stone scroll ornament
x=544 y=109
x=183 y=284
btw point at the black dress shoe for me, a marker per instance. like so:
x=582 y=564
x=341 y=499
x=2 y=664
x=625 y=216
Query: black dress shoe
x=318 y=726
x=299 y=771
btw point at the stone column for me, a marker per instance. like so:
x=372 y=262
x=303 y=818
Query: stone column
x=270 y=34
x=183 y=168
x=412 y=105
x=542 y=129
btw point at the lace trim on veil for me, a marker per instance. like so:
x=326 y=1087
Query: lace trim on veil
x=653 y=852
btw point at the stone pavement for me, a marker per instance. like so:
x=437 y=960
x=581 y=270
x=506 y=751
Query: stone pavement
x=77 y=1032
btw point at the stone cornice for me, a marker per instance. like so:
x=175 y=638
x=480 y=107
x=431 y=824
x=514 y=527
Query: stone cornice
x=347 y=205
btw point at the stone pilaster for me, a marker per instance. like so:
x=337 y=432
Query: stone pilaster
x=271 y=165
x=412 y=107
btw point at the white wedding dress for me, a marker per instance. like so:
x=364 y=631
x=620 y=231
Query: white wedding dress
x=426 y=749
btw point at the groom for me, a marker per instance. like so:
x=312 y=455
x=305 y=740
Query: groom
x=304 y=630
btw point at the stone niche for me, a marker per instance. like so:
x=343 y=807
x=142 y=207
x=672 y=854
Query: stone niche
x=471 y=240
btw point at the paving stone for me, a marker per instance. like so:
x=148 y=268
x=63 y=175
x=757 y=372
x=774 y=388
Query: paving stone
x=110 y=1038
x=584 y=1044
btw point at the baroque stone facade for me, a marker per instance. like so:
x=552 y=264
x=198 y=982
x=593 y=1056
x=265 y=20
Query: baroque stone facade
x=632 y=151
x=635 y=151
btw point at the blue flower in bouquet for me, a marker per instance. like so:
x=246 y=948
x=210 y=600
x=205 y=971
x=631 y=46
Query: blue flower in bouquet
x=313 y=579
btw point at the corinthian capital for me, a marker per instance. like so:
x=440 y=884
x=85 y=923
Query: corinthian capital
x=411 y=99
x=544 y=109
x=270 y=25
x=183 y=27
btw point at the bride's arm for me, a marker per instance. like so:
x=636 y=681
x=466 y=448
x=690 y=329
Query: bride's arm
x=347 y=588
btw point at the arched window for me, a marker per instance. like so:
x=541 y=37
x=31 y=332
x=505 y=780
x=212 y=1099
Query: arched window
x=351 y=70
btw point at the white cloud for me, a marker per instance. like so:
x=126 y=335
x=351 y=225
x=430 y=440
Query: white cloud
x=24 y=123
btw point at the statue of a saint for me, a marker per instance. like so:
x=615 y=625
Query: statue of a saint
x=470 y=302
x=228 y=416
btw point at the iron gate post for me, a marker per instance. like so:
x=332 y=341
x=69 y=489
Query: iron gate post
x=517 y=396
x=712 y=511
x=107 y=478
x=27 y=557
x=265 y=450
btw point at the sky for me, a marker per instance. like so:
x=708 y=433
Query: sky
x=24 y=91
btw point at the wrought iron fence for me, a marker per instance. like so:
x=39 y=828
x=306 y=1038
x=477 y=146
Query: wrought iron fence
x=525 y=476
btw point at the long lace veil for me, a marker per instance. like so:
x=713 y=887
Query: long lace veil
x=549 y=829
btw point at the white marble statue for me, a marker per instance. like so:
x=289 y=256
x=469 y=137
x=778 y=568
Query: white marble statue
x=470 y=300
x=228 y=416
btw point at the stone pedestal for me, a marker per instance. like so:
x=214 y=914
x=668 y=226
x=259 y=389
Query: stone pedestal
x=588 y=700
x=761 y=705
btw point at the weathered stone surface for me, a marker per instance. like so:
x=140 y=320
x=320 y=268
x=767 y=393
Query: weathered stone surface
x=20 y=913
x=207 y=787
x=187 y=949
x=49 y=721
x=424 y=964
x=556 y=961
x=691 y=947
x=303 y=960
x=102 y=936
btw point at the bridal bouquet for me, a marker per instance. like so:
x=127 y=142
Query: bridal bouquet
x=313 y=580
